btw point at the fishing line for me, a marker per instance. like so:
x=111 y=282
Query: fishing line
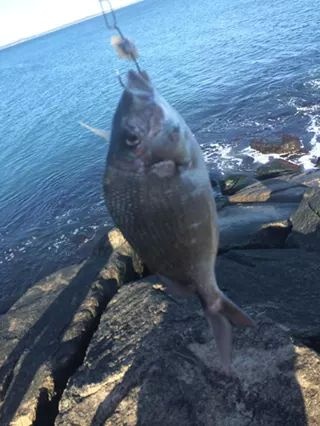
x=126 y=45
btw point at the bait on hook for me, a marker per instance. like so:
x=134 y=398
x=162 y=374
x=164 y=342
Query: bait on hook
x=123 y=46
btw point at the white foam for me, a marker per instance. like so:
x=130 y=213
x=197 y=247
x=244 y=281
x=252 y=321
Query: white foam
x=314 y=153
x=312 y=112
x=220 y=155
x=258 y=156
x=315 y=84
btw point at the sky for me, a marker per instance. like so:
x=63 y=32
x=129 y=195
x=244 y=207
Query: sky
x=21 y=19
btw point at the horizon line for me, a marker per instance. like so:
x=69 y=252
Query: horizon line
x=61 y=27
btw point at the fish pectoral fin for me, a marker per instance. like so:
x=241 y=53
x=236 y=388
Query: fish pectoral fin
x=175 y=288
x=163 y=169
x=98 y=132
x=221 y=315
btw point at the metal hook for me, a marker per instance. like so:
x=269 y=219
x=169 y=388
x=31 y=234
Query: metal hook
x=120 y=79
x=114 y=26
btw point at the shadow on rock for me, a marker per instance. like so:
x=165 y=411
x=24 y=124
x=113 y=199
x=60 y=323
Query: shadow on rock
x=45 y=335
x=31 y=353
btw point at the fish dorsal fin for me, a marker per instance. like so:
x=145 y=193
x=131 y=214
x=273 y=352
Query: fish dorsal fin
x=104 y=134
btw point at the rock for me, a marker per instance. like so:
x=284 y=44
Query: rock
x=235 y=182
x=254 y=225
x=153 y=361
x=43 y=337
x=221 y=201
x=282 y=189
x=288 y=145
x=277 y=167
x=284 y=283
x=306 y=222
x=215 y=178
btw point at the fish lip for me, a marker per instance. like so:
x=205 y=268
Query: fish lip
x=139 y=84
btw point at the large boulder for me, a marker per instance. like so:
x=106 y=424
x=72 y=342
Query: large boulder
x=282 y=189
x=284 y=283
x=306 y=222
x=288 y=144
x=256 y=225
x=277 y=167
x=153 y=361
x=44 y=336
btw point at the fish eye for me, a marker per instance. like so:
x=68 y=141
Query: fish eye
x=132 y=140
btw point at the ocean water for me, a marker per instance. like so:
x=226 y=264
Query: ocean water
x=235 y=70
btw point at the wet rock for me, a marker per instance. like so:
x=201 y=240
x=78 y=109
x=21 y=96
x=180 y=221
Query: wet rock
x=235 y=182
x=306 y=222
x=215 y=178
x=317 y=162
x=289 y=144
x=221 y=201
x=254 y=225
x=277 y=167
x=153 y=362
x=43 y=337
x=282 y=189
x=284 y=283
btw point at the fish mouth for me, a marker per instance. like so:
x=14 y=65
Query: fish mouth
x=139 y=84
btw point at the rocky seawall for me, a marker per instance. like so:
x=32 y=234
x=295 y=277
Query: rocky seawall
x=102 y=343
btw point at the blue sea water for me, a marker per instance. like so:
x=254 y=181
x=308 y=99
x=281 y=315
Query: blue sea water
x=235 y=70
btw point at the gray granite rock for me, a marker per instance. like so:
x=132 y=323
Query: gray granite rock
x=277 y=167
x=153 y=362
x=283 y=282
x=282 y=189
x=43 y=337
x=306 y=222
x=256 y=225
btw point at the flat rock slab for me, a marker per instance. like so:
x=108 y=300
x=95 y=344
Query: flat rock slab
x=283 y=282
x=152 y=361
x=43 y=337
x=254 y=225
x=286 y=189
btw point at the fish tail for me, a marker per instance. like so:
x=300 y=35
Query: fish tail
x=222 y=315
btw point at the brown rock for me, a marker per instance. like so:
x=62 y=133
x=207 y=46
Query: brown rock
x=288 y=145
x=153 y=362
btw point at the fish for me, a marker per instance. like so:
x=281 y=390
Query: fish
x=158 y=193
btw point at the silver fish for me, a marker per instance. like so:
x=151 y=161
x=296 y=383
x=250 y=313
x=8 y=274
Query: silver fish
x=158 y=192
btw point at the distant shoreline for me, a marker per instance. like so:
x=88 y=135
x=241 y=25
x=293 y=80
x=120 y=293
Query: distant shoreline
x=61 y=27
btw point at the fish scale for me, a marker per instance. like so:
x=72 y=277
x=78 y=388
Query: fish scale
x=161 y=218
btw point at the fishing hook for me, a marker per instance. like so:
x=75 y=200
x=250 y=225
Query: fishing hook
x=114 y=26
